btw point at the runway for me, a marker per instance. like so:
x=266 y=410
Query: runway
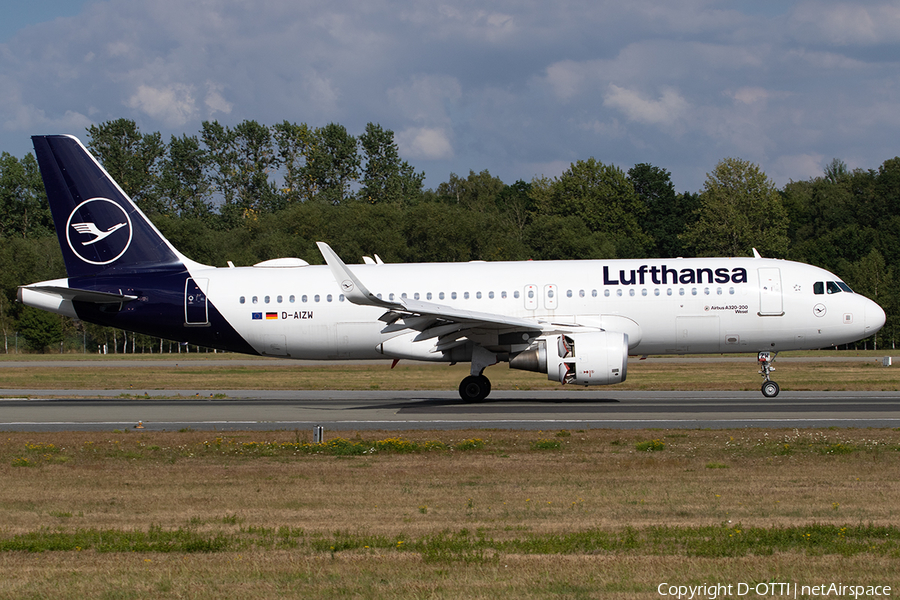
x=223 y=410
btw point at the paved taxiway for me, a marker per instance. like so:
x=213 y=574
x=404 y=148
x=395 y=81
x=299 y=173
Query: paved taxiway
x=81 y=410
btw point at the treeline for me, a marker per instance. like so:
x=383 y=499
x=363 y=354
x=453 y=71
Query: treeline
x=255 y=192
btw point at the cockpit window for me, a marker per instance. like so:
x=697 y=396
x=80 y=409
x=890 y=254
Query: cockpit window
x=831 y=287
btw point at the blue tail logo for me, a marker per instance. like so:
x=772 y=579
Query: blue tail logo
x=96 y=220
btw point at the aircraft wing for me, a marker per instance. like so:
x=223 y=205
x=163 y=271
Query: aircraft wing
x=448 y=323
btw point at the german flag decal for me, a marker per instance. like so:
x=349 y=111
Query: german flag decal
x=273 y=315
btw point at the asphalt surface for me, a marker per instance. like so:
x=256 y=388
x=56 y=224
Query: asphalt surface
x=222 y=410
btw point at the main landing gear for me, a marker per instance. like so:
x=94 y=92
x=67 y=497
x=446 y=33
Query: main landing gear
x=770 y=389
x=474 y=388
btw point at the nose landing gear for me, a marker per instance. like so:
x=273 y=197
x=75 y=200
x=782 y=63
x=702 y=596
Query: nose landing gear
x=770 y=389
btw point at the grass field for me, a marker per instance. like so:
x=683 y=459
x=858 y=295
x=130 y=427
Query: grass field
x=461 y=514
x=472 y=514
x=193 y=373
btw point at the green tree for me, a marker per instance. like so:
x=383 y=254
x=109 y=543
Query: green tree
x=667 y=213
x=604 y=198
x=40 y=329
x=242 y=159
x=385 y=178
x=131 y=158
x=478 y=192
x=740 y=209
x=24 y=211
x=293 y=143
x=333 y=163
x=184 y=186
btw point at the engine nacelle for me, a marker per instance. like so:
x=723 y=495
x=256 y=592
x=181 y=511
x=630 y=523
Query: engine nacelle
x=591 y=358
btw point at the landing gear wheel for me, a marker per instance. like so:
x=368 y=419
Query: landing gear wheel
x=474 y=388
x=770 y=389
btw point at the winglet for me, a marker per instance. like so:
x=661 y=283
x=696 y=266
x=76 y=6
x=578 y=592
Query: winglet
x=352 y=288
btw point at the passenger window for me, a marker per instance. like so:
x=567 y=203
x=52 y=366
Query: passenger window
x=593 y=293
x=581 y=293
x=292 y=298
x=619 y=292
x=491 y=295
x=631 y=292
x=478 y=295
x=644 y=292
x=568 y=293
x=416 y=296
x=453 y=295
x=465 y=295
x=304 y=298
x=254 y=300
x=503 y=295
x=606 y=292
x=266 y=300
x=279 y=299
x=656 y=291
x=516 y=294
x=428 y=296
x=441 y=296
x=316 y=298
x=243 y=300
x=328 y=297
x=819 y=288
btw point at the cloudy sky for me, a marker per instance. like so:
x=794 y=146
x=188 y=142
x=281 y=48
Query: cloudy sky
x=520 y=88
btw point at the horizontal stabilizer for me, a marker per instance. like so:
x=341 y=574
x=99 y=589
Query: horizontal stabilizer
x=76 y=295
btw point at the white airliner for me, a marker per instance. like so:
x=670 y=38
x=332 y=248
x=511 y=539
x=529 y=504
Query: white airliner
x=577 y=321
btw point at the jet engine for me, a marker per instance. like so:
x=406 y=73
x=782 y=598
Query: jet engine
x=592 y=358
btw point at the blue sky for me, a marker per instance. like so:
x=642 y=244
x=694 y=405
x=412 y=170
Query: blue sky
x=521 y=89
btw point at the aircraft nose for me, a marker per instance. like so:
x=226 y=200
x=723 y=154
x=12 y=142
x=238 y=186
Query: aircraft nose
x=875 y=317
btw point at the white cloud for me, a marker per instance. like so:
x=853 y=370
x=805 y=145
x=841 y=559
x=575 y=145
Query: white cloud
x=507 y=86
x=173 y=104
x=844 y=23
x=426 y=143
x=214 y=100
x=798 y=167
x=667 y=110
x=751 y=95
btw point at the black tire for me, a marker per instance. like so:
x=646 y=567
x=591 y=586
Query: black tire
x=474 y=388
x=770 y=389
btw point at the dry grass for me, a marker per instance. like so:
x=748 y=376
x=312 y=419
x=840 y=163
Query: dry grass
x=284 y=375
x=507 y=492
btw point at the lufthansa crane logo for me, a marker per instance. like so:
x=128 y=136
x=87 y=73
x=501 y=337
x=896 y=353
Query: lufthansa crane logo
x=99 y=231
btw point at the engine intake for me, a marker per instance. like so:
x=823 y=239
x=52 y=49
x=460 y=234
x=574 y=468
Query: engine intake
x=592 y=358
